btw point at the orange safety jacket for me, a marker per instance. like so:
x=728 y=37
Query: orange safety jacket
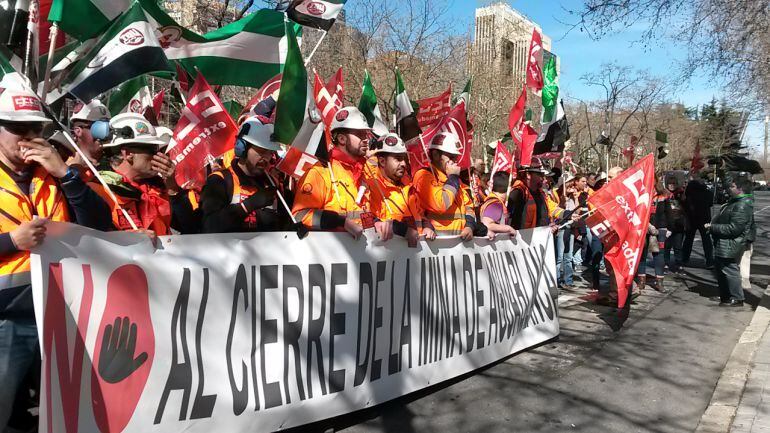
x=45 y=200
x=446 y=207
x=387 y=200
x=319 y=191
x=147 y=204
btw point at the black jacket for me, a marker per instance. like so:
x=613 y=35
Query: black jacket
x=733 y=228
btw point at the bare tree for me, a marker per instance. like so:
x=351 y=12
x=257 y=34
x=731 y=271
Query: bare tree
x=729 y=39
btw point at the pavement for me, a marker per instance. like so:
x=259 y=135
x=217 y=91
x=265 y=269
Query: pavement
x=741 y=399
x=678 y=362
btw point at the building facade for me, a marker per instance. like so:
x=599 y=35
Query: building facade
x=501 y=42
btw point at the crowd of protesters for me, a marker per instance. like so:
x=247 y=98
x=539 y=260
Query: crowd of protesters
x=365 y=184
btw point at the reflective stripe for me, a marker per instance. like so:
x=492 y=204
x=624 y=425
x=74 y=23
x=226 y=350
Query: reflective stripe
x=15 y=280
x=445 y=216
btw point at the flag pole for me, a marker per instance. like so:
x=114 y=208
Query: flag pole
x=300 y=233
x=31 y=27
x=53 y=33
x=318 y=44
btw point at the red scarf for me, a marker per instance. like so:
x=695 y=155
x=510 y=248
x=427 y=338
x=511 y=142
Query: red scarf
x=152 y=204
x=355 y=165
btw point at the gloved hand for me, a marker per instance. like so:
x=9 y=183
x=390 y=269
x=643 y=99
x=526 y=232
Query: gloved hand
x=260 y=199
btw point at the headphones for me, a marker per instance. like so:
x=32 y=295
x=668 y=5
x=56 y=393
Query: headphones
x=241 y=146
x=101 y=130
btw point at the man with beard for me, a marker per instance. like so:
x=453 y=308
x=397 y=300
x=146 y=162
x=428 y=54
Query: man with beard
x=389 y=189
x=80 y=123
x=242 y=197
x=332 y=196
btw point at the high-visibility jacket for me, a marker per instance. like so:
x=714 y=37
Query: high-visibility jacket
x=319 y=191
x=241 y=192
x=553 y=200
x=387 y=200
x=147 y=204
x=446 y=206
x=529 y=218
x=491 y=199
x=45 y=200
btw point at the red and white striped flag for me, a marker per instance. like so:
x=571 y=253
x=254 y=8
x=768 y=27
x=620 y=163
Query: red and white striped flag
x=328 y=97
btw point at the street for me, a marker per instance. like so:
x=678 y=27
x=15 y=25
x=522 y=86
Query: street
x=656 y=372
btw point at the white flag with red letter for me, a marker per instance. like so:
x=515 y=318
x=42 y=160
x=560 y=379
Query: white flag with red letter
x=205 y=131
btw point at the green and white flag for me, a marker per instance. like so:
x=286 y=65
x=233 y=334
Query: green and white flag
x=297 y=120
x=369 y=107
x=550 y=92
x=247 y=52
x=403 y=104
x=9 y=62
x=129 y=48
x=85 y=19
x=466 y=93
x=133 y=96
x=406 y=114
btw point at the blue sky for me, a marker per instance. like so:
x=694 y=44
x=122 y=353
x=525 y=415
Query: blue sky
x=580 y=54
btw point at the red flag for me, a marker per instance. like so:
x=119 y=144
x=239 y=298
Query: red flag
x=534 y=68
x=696 y=164
x=182 y=77
x=418 y=153
x=503 y=159
x=205 y=131
x=622 y=214
x=527 y=147
x=157 y=101
x=328 y=97
x=270 y=88
x=454 y=121
x=516 y=117
x=434 y=109
x=296 y=162
x=152 y=113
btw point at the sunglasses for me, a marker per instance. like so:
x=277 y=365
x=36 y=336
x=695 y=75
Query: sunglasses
x=22 y=129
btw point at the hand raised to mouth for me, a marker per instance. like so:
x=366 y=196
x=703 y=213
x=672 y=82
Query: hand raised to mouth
x=117 y=361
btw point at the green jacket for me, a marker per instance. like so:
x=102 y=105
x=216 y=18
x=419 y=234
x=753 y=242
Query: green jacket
x=733 y=229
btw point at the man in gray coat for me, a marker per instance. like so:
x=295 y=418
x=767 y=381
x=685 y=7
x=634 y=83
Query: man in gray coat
x=732 y=230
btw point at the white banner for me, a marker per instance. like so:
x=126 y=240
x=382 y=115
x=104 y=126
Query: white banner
x=262 y=332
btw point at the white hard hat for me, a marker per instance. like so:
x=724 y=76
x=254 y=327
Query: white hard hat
x=18 y=103
x=133 y=128
x=350 y=118
x=390 y=143
x=446 y=142
x=90 y=112
x=165 y=134
x=256 y=133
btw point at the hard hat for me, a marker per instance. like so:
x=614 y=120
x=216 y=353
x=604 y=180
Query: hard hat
x=133 y=128
x=165 y=134
x=390 y=143
x=446 y=142
x=256 y=133
x=58 y=139
x=90 y=112
x=350 y=118
x=18 y=103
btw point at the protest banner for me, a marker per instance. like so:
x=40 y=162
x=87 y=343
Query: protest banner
x=229 y=333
